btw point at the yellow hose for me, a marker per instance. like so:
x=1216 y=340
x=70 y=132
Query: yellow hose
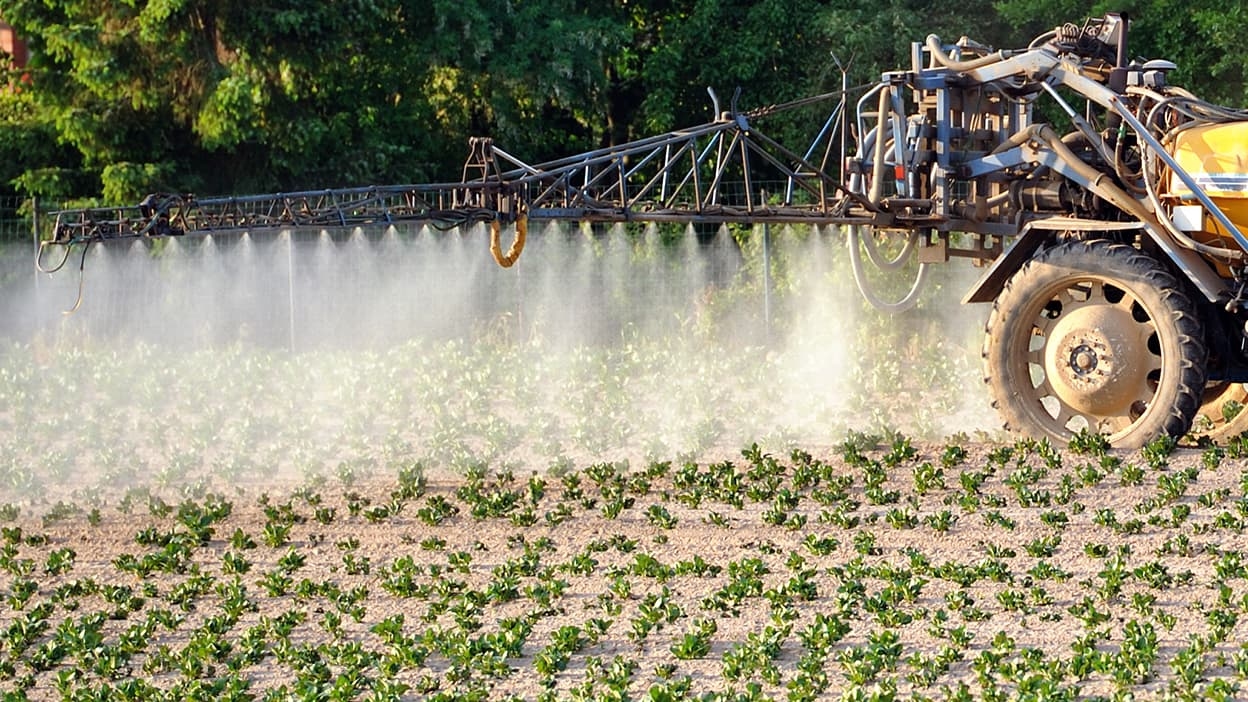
x=513 y=253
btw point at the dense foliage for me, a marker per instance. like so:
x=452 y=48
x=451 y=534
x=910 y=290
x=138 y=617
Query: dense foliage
x=124 y=98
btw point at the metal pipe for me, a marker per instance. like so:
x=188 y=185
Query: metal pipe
x=938 y=52
x=1080 y=123
x=1121 y=108
x=877 y=168
x=897 y=118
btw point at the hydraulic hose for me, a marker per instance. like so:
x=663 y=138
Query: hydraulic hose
x=877 y=169
x=1103 y=185
x=938 y=53
x=44 y=246
x=907 y=302
x=82 y=267
x=517 y=245
x=881 y=261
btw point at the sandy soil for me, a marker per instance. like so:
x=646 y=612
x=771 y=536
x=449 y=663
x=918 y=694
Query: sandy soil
x=1053 y=556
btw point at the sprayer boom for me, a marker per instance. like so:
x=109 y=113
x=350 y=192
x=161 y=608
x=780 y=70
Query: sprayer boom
x=716 y=172
x=1119 y=305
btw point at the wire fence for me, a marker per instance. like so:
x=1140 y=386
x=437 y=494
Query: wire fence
x=16 y=223
x=19 y=217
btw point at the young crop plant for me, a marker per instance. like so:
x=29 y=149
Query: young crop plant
x=380 y=513
x=899 y=518
x=233 y=562
x=1130 y=474
x=696 y=641
x=900 y=450
x=821 y=545
x=615 y=502
x=437 y=509
x=60 y=561
x=20 y=593
x=953 y=455
x=874 y=478
x=941 y=521
x=996 y=517
x=59 y=512
x=841 y=516
x=1157 y=452
x=241 y=541
x=292 y=560
x=524 y=517
x=1136 y=658
x=971 y=481
x=756 y=656
x=276 y=534
x=401 y=578
x=1058 y=519
x=1089 y=443
x=865 y=543
x=561 y=513
x=928 y=477
x=648 y=566
x=658 y=515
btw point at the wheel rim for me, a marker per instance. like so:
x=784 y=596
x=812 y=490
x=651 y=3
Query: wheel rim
x=1223 y=411
x=1096 y=336
x=1094 y=358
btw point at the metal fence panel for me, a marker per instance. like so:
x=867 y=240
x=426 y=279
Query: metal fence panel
x=15 y=220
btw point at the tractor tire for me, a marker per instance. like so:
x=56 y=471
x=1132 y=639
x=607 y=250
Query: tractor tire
x=1096 y=336
x=1223 y=413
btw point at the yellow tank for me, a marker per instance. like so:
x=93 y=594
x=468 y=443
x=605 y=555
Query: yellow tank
x=1216 y=157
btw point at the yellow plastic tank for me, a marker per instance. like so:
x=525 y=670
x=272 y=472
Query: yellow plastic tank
x=1216 y=157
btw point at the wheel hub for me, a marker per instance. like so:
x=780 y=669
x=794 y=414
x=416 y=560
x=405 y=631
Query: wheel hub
x=1083 y=360
x=1096 y=359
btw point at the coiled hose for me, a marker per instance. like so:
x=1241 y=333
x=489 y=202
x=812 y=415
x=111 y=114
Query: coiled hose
x=517 y=245
x=857 y=242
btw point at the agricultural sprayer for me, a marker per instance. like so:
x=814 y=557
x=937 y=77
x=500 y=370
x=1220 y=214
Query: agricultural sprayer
x=1111 y=236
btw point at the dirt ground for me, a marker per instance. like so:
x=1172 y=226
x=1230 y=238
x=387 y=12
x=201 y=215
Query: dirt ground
x=1011 y=570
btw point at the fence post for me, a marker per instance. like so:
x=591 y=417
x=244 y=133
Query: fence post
x=767 y=281
x=290 y=285
x=34 y=233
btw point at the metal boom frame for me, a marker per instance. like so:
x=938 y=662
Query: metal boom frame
x=714 y=173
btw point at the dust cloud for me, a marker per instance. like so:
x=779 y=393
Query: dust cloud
x=601 y=343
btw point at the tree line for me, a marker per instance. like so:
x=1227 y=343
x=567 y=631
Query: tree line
x=234 y=96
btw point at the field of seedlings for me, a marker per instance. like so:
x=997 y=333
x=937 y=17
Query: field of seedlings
x=427 y=525
x=659 y=511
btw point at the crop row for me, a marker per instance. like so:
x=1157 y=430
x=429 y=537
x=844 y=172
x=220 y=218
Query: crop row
x=102 y=417
x=882 y=570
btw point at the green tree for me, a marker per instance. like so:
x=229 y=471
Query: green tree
x=221 y=96
x=877 y=36
x=29 y=153
x=530 y=74
x=162 y=93
x=233 y=96
x=1206 y=39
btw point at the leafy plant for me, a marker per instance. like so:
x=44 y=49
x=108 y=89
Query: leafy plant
x=695 y=642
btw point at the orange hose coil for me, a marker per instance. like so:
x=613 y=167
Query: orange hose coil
x=513 y=253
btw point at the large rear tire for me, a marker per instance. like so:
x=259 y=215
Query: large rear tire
x=1223 y=413
x=1098 y=336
